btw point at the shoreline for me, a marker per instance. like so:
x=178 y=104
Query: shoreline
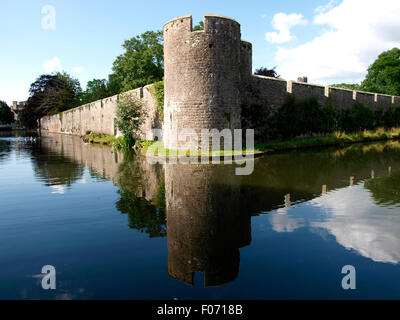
x=145 y=147
x=335 y=139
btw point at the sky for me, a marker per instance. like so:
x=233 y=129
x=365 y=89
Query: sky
x=329 y=41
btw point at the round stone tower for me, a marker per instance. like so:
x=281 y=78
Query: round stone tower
x=202 y=79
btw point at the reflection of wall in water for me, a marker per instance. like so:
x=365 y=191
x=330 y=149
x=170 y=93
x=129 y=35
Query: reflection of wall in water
x=205 y=225
x=137 y=175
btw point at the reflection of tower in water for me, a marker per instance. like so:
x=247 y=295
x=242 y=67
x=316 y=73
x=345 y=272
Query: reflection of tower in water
x=205 y=223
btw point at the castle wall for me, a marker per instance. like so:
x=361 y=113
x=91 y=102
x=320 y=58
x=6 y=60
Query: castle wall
x=305 y=91
x=271 y=90
x=396 y=101
x=366 y=98
x=276 y=90
x=98 y=116
x=383 y=101
x=341 y=98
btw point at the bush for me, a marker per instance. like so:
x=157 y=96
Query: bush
x=159 y=94
x=307 y=117
x=357 y=118
x=130 y=116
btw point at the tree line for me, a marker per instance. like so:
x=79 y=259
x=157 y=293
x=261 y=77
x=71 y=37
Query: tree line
x=141 y=63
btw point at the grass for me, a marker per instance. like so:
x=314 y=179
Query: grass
x=100 y=138
x=334 y=139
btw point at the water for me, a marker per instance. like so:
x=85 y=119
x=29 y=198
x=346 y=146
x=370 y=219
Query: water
x=118 y=228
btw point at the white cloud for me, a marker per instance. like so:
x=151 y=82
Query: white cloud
x=358 y=31
x=283 y=23
x=327 y=7
x=53 y=65
x=77 y=69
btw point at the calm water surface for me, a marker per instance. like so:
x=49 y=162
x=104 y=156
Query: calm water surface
x=117 y=227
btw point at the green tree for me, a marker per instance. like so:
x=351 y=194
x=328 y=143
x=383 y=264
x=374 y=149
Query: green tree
x=384 y=74
x=143 y=61
x=50 y=94
x=129 y=117
x=199 y=27
x=6 y=115
x=350 y=86
x=114 y=85
x=95 y=90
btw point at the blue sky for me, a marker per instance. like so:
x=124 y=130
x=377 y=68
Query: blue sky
x=326 y=40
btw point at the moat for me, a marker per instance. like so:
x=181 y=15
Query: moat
x=116 y=227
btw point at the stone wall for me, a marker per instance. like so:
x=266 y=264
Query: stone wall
x=276 y=90
x=99 y=116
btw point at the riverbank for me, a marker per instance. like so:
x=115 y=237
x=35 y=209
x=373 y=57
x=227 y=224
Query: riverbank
x=154 y=148
x=98 y=138
x=335 y=139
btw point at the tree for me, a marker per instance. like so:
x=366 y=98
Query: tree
x=199 y=27
x=129 y=117
x=114 y=85
x=267 y=72
x=50 y=94
x=350 y=86
x=95 y=90
x=384 y=74
x=6 y=115
x=143 y=61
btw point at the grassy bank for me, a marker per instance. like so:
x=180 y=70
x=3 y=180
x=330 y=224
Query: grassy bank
x=335 y=139
x=98 y=138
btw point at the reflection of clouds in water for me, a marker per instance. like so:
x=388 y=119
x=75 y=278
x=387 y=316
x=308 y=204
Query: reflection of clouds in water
x=82 y=181
x=351 y=215
x=359 y=224
x=59 y=189
x=282 y=222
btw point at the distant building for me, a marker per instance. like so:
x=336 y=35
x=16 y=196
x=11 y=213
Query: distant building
x=17 y=108
x=302 y=79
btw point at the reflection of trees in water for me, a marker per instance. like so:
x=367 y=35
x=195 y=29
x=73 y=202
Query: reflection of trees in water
x=142 y=215
x=142 y=192
x=303 y=174
x=55 y=169
x=385 y=190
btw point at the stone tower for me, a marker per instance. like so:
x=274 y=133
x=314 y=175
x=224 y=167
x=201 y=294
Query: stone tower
x=203 y=74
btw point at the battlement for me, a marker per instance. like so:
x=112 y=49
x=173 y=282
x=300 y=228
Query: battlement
x=213 y=24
